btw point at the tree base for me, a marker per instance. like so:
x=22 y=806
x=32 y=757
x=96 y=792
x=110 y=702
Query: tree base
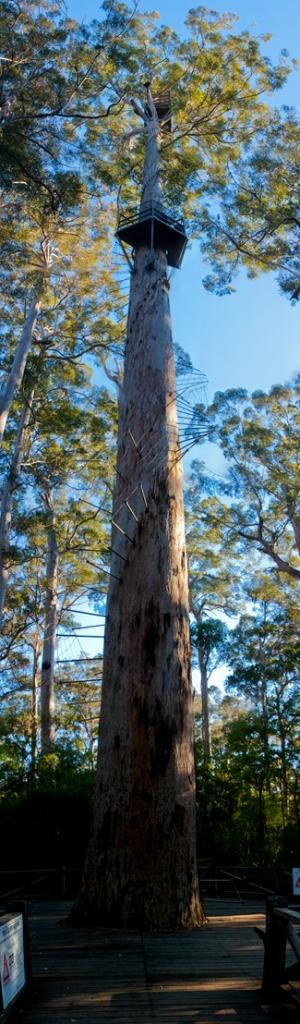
x=142 y=909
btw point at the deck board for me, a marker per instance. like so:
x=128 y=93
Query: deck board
x=99 y=976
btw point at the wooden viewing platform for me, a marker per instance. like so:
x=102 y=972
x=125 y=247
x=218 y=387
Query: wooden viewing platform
x=101 y=976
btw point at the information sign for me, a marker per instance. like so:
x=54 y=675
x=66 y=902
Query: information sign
x=296 y=881
x=11 y=957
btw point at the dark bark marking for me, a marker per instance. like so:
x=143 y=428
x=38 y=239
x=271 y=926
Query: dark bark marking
x=104 y=832
x=143 y=713
x=151 y=639
x=46 y=665
x=121 y=660
x=164 y=735
x=179 y=818
x=183 y=696
x=117 y=742
x=147 y=796
x=152 y=633
x=167 y=620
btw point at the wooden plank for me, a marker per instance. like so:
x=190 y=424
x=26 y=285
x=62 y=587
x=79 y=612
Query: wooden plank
x=104 y=976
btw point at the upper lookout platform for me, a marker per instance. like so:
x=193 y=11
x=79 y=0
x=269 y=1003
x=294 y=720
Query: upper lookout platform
x=155 y=228
x=163 y=109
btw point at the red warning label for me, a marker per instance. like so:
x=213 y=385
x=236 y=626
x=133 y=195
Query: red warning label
x=5 y=970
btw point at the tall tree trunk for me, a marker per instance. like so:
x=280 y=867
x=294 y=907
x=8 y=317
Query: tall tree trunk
x=202 y=661
x=295 y=793
x=9 y=485
x=16 y=374
x=265 y=733
x=151 y=184
x=48 y=655
x=284 y=772
x=261 y=821
x=34 y=709
x=263 y=698
x=141 y=865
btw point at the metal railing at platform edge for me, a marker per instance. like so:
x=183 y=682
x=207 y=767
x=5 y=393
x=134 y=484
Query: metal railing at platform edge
x=59 y=882
x=235 y=882
x=242 y=883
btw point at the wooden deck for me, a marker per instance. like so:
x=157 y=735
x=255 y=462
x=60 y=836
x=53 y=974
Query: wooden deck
x=97 y=976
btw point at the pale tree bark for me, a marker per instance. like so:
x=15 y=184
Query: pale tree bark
x=16 y=374
x=263 y=702
x=202 y=662
x=283 y=756
x=50 y=625
x=9 y=486
x=204 y=678
x=151 y=184
x=141 y=865
x=34 y=707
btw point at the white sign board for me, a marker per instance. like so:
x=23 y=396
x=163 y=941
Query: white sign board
x=296 y=881
x=11 y=957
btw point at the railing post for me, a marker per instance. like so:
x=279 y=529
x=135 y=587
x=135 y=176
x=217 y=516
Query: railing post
x=275 y=947
x=63 y=879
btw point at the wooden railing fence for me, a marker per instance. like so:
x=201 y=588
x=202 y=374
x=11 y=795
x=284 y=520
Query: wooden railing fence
x=282 y=927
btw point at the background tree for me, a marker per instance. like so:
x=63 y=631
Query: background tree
x=209 y=640
x=253 y=220
x=214 y=579
x=258 y=436
x=264 y=661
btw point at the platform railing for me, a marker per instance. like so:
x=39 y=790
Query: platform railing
x=239 y=882
x=282 y=927
x=136 y=214
x=59 y=882
x=216 y=881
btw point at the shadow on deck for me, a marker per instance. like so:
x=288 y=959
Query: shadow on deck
x=101 y=976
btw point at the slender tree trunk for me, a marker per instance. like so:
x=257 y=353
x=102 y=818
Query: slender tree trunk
x=16 y=374
x=261 y=823
x=204 y=705
x=265 y=730
x=263 y=697
x=141 y=865
x=202 y=662
x=9 y=486
x=296 y=797
x=34 y=712
x=48 y=655
x=283 y=774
